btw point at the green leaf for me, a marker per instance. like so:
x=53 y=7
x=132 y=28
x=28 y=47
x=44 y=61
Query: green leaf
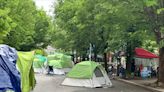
x=150 y=3
x=160 y=10
x=161 y=44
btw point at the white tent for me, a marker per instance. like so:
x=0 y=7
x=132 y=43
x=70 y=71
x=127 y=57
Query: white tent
x=87 y=74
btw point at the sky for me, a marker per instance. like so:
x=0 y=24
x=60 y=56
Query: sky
x=47 y=5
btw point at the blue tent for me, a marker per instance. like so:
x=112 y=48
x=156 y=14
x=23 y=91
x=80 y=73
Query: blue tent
x=9 y=75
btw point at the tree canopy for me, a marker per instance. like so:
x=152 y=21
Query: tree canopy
x=106 y=24
x=23 y=26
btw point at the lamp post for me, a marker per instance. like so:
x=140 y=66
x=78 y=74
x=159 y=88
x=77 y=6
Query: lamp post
x=74 y=54
x=90 y=52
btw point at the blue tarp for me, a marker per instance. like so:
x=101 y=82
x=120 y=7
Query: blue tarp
x=9 y=75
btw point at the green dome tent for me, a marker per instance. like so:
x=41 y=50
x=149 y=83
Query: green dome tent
x=87 y=74
x=83 y=70
x=61 y=63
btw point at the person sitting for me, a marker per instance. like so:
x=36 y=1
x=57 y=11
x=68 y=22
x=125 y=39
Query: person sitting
x=50 y=69
x=122 y=72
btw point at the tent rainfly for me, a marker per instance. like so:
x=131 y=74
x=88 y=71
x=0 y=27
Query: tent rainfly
x=9 y=75
x=24 y=63
x=87 y=74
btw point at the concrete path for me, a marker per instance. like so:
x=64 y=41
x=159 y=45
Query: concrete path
x=52 y=84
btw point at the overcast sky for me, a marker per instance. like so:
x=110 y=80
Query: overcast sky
x=47 y=5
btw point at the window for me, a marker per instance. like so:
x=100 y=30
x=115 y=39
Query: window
x=98 y=72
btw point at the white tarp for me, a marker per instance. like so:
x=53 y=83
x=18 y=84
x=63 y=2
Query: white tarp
x=62 y=71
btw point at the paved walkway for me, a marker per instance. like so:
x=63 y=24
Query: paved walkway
x=53 y=84
x=144 y=83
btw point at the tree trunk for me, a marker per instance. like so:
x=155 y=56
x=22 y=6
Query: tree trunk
x=128 y=63
x=161 y=65
x=128 y=57
x=105 y=62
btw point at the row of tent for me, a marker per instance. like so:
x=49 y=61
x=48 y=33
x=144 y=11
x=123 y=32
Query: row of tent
x=84 y=74
x=16 y=71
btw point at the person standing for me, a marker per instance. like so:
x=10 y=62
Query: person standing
x=157 y=74
x=133 y=68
